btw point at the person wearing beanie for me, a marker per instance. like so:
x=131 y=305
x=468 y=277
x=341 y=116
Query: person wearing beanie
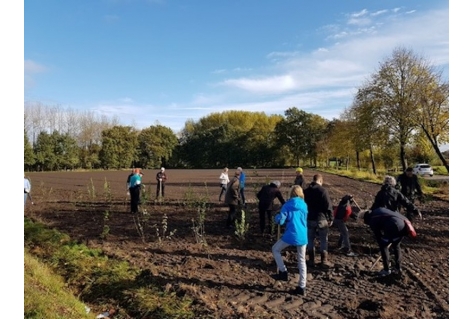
x=389 y=197
x=161 y=179
x=266 y=197
x=299 y=179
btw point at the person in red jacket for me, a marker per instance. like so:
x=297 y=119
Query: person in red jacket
x=341 y=214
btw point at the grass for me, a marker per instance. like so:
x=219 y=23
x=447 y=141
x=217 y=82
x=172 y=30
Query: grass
x=46 y=295
x=95 y=279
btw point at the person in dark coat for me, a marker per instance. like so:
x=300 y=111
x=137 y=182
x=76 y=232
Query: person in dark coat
x=299 y=179
x=389 y=228
x=266 y=196
x=409 y=185
x=161 y=181
x=232 y=198
x=320 y=218
x=389 y=197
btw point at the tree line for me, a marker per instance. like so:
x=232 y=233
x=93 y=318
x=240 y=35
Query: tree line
x=399 y=115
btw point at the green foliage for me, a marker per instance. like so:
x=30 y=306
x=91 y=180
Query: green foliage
x=119 y=147
x=46 y=295
x=105 y=227
x=91 y=190
x=200 y=204
x=28 y=153
x=241 y=227
x=155 y=144
x=94 y=277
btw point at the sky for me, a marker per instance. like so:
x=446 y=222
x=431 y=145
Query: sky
x=163 y=61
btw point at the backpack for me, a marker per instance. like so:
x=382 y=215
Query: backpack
x=343 y=209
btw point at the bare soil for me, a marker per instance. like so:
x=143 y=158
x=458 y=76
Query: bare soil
x=231 y=278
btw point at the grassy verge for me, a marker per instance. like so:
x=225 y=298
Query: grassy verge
x=46 y=295
x=54 y=262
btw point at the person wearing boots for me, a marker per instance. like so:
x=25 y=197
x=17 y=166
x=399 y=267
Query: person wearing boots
x=389 y=197
x=242 y=178
x=294 y=214
x=232 y=198
x=320 y=218
x=266 y=196
x=341 y=214
x=161 y=180
x=389 y=228
x=224 y=180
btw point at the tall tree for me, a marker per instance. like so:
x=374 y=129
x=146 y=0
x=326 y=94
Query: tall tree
x=396 y=86
x=293 y=130
x=28 y=153
x=119 y=147
x=155 y=146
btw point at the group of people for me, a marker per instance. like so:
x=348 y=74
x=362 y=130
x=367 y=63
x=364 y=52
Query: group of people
x=309 y=214
x=134 y=186
x=233 y=191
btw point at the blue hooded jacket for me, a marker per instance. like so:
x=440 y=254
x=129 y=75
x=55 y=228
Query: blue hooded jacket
x=295 y=214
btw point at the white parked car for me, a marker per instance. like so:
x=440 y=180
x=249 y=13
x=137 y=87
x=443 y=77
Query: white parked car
x=423 y=169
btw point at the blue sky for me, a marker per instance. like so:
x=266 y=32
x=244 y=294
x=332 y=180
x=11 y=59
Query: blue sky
x=150 y=61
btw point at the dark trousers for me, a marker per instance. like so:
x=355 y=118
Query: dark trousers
x=162 y=186
x=223 y=190
x=134 y=199
x=231 y=216
x=242 y=196
x=384 y=251
x=265 y=213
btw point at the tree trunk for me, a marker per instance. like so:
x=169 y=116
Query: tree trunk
x=358 y=160
x=372 y=160
x=436 y=148
x=403 y=159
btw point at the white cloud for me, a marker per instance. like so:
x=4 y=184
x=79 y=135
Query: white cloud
x=32 y=67
x=359 y=14
x=273 y=84
x=376 y=13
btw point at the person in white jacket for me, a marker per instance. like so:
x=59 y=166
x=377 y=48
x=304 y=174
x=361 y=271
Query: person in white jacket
x=27 y=189
x=224 y=180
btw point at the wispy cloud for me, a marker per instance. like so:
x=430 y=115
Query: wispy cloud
x=274 y=84
x=31 y=68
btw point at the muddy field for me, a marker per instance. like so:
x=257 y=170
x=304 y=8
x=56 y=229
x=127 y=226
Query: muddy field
x=231 y=278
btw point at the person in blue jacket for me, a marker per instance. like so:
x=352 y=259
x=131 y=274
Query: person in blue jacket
x=134 y=188
x=294 y=214
x=242 y=185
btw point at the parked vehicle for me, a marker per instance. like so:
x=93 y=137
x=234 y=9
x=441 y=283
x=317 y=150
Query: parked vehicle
x=423 y=169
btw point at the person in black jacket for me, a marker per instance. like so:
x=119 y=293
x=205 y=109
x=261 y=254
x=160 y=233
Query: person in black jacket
x=266 y=196
x=409 y=185
x=389 y=197
x=389 y=228
x=320 y=218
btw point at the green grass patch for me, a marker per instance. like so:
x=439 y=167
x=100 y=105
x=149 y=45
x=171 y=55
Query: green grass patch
x=46 y=295
x=100 y=281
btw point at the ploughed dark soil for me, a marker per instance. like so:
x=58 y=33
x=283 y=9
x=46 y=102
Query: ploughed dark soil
x=231 y=278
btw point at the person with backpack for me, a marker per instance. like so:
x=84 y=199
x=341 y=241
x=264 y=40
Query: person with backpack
x=266 y=196
x=293 y=214
x=389 y=228
x=389 y=197
x=341 y=214
x=224 y=180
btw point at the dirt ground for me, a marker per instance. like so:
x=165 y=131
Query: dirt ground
x=231 y=278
